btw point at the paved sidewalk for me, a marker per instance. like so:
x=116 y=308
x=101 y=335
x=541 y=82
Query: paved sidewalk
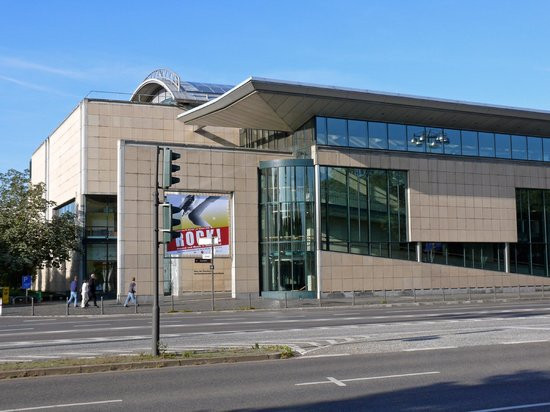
x=202 y=302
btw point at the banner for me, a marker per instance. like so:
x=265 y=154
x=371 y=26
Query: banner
x=201 y=216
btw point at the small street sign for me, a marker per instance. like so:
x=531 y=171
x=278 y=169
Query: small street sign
x=203 y=260
x=26 y=282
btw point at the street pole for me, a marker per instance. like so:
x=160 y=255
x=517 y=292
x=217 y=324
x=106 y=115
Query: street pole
x=212 y=269
x=156 y=309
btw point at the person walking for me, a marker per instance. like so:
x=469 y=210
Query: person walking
x=84 y=291
x=91 y=290
x=131 y=293
x=74 y=292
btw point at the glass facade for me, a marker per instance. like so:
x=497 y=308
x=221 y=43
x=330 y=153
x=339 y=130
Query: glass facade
x=531 y=254
x=425 y=139
x=364 y=211
x=487 y=256
x=100 y=242
x=287 y=226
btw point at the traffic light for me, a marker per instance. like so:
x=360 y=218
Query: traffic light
x=169 y=221
x=168 y=168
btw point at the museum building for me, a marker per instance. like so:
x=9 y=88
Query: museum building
x=310 y=189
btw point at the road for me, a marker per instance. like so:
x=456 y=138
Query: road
x=311 y=332
x=513 y=377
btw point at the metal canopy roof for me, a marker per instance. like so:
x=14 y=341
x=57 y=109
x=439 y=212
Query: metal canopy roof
x=276 y=105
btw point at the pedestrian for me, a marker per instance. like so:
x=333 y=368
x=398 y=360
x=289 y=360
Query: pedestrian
x=131 y=293
x=84 y=291
x=91 y=290
x=74 y=292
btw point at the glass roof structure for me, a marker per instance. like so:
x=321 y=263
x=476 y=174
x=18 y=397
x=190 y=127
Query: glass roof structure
x=164 y=86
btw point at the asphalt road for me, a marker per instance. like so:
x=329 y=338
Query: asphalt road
x=312 y=332
x=489 y=378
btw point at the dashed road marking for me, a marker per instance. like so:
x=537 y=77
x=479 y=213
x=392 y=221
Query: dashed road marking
x=340 y=382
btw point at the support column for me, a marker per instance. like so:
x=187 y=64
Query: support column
x=419 y=252
x=318 y=228
x=507 y=257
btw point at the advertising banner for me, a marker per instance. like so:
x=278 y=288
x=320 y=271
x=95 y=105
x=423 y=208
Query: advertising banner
x=201 y=216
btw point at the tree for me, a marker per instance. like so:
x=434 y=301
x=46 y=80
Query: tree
x=29 y=241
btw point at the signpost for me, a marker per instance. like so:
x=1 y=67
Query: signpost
x=26 y=283
x=204 y=241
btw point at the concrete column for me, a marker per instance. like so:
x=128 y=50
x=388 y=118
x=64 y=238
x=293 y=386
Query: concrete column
x=318 y=228
x=507 y=257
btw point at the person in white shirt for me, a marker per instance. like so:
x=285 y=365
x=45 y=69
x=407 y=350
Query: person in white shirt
x=84 y=291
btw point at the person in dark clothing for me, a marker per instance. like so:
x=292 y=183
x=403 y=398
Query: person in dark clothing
x=91 y=289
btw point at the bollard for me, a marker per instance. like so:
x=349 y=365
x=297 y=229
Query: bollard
x=250 y=301
x=443 y=290
x=1 y=302
x=286 y=301
x=469 y=294
x=543 y=291
x=495 y=294
x=172 y=303
x=135 y=305
x=519 y=292
x=32 y=306
x=385 y=297
x=102 y=311
x=353 y=298
x=67 y=308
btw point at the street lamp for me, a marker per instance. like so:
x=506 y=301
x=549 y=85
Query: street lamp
x=433 y=139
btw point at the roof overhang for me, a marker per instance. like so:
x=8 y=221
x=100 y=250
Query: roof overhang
x=276 y=105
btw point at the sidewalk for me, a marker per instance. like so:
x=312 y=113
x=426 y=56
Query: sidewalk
x=202 y=302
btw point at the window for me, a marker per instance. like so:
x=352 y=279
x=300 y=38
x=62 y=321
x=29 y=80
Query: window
x=486 y=144
x=415 y=141
x=469 y=143
x=357 y=133
x=546 y=149
x=534 y=148
x=454 y=146
x=503 y=147
x=337 y=132
x=378 y=135
x=321 y=130
x=519 y=147
x=397 y=137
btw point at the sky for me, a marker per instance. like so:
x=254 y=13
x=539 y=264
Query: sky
x=54 y=53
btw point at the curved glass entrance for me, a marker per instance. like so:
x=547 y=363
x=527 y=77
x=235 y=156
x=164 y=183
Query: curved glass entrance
x=287 y=228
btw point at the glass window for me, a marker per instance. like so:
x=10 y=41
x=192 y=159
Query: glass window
x=519 y=147
x=321 y=129
x=397 y=137
x=454 y=146
x=357 y=133
x=546 y=149
x=486 y=144
x=416 y=139
x=433 y=142
x=378 y=206
x=503 y=148
x=469 y=143
x=534 y=148
x=337 y=132
x=378 y=135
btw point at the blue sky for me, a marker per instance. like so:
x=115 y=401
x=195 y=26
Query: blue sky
x=53 y=53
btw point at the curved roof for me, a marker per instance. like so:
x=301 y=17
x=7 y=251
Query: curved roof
x=259 y=103
x=164 y=86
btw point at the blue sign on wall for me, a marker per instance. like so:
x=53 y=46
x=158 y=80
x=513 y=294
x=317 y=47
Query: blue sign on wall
x=27 y=282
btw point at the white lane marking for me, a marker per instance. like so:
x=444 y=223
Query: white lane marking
x=435 y=348
x=40 y=320
x=63 y=405
x=404 y=375
x=346 y=314
x=524 y=341
x=332 y=341
x=39 y=356
x=13 y=330
x=511 y=408
x=91 y=324
x=336 y=381
x=323 y=356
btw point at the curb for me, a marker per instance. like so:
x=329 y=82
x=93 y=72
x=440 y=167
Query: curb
x=163 y=363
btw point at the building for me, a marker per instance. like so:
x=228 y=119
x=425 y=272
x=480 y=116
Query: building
x=310 y=189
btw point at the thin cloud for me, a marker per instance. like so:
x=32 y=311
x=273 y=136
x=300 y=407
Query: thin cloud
x=33 y=86
x=27 y=65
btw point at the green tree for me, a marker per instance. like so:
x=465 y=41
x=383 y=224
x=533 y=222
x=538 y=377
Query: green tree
x=29 y=241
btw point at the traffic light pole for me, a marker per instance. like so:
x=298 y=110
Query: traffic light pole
x=156 y=310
